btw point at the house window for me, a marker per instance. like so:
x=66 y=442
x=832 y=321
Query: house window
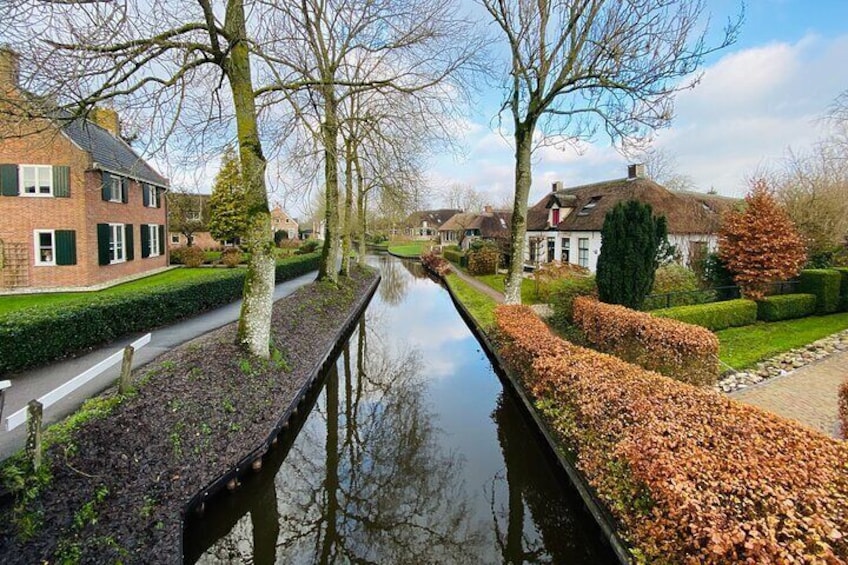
x=45 y=247
x=589 y=206
x=583 y=252
x=36 y=180
x=154 y=197
x=175 y=238
x=554 y=217
x=566 y=246
x=116 y=189
x=117 y=249
x=153 y=231
x=193 y=216
x=551 y=249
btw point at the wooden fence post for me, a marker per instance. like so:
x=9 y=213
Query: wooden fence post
x=125 y=383
x=33 y=445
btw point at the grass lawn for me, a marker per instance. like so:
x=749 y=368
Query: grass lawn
x=412 y=250
x=481 y=306
x=20 y=301
x=528 y=287
x=743 y=347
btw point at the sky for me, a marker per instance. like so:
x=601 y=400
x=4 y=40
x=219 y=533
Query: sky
x=758 y=97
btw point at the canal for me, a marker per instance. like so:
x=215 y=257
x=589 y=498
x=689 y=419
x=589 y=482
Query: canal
x=412 y=452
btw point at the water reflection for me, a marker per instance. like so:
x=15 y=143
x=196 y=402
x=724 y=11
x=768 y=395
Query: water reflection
x=395 y=283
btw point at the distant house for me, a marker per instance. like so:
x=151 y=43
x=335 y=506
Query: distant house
x=565 y=225
x=79 y=207
x=425 y=224
x=188 y=221
x=282 y=222
x=464 y=228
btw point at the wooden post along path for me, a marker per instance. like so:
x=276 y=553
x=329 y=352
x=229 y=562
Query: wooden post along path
x=35 y=412
x=125 y=382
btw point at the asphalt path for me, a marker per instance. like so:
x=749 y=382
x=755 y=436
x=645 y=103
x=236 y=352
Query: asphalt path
x=29 y=385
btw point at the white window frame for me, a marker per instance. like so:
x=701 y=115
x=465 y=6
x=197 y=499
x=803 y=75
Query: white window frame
x=36 y=169
x=37 y=245
x=583 y=252
x=153 y=200
x=193 y=216
x=116 y=186
x=153 y=240
x=117 y=232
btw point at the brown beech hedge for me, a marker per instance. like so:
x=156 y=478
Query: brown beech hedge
x=691 y=476
x=843 y=408
x=676 y=349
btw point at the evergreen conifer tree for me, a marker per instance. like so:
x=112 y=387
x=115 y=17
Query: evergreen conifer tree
x=228 y=217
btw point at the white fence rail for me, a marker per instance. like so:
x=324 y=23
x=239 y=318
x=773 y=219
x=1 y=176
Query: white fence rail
x=60 y=392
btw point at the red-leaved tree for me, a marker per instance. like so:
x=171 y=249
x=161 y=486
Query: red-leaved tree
x=760 y=244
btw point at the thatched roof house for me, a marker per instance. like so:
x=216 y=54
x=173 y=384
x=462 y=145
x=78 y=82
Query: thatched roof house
x=464 y=227
x=425 y=224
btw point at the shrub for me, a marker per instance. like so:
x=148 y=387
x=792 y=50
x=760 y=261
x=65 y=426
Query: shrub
x=843 y=288
x=308 y=246
x=715 y=316
x=192 y=257
x=231 y=257
x=562 y=298
x=453 y=255
x=483 y=260
x=825 y=284
x=785 y=307
x=690 y=475
x=676 y=285
x=435 y=264
x=549 y=276
x=843 y=408
x=682 y=351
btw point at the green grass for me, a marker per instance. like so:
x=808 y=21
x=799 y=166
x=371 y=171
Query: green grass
x=480 y=305
x=743 y=347
x=45 y=300
x=407 y=250
x=528 y=287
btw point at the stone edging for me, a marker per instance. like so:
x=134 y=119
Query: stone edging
x=311 y=380
x=784 y=363
x=596 y=508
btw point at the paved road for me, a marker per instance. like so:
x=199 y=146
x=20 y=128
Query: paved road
x=37 y=382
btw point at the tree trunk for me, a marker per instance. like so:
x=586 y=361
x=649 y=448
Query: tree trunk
x=523 y=180
x=254 y=328
x=330 y=135
x=360 y=207
x=347 y=230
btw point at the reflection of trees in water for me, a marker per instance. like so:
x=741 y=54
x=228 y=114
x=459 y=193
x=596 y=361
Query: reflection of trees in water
x=395 y=283
x=562 y=532
x=414 y=268
x=382 y=489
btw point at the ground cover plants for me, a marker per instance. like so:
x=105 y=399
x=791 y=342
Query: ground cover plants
x=690 y=475
x=115 y=482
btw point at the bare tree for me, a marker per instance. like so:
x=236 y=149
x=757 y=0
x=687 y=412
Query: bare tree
x=661 y=166
x=577 y=66
x=463 y=197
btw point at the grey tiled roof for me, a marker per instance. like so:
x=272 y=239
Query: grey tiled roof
x=110 y=152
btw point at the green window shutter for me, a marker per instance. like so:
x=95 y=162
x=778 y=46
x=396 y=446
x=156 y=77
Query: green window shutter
x=66 y=247
x=9 y=180
x=144 y=233
x=128 y=242
x=125 y=196
x=61 y=181
x=161 y=239
x=106 y=189
x=145 y=194
x=103 y=244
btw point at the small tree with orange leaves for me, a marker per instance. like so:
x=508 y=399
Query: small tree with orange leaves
x=760 y=244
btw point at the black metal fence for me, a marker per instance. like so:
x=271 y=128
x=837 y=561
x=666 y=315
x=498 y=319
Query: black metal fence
x=717 y=294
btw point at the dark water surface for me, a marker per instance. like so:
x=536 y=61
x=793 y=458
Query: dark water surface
x=412 y=453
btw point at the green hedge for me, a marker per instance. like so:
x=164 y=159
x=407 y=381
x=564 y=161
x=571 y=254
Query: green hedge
x=715 y=316
x=563 y=295
x=454 y=256
x=843 y=289
x=824 y=283
x=36 y=336
x=786 y=307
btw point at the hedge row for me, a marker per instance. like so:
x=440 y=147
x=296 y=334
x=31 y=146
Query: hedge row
x=453 y=256
x=786 y=307
x=715 y=316
x=37 y=336
x=843 y=408
x=843 y=288
x=435 y=264
x=483 y=261
x=682 y=351
x=690 y=475
x=825 y=284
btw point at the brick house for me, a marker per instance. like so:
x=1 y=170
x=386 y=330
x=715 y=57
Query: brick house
x=79 y=207
x=282 y=222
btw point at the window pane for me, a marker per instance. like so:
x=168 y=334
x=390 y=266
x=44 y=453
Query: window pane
x=44 y=180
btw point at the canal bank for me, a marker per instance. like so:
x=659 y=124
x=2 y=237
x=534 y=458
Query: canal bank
x=415 y=452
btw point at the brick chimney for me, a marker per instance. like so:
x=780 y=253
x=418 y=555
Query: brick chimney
x=10 y=66
x=106 y=118
x=636 y=171
x=487 y=209
x=557 y=186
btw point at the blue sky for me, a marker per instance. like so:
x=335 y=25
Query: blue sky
x=759 y=97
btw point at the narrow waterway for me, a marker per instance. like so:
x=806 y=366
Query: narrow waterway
x=413 y=452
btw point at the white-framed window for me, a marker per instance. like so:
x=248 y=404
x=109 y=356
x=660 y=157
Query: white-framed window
x=175 y=238
x=565 y=251
x=116 y=189
x=45 y=247
x=153 y=202
x=193 y=215
x=583 y=252
x=153 y=231
x=36 y=180
x=117 y=248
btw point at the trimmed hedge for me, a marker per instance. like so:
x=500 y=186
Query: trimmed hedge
x=563 y=295
x=843 y=288
x=786 y=307
x=435 y=264
x=714 y=316
x=825 y=284
x=36 y=336
x=483 y=261
x=843 y=408
x=453 y=256
x=690 y=475
x=678 y=350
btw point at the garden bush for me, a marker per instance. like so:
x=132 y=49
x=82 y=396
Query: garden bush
x=550 y=276
x=562 y=298
x=435 y=264
x=231 y=257
x=691 y=476
x=35 y=336
x=785 y=307
x=453 y=255
x=715 y=316
x=843 y=288
x=678 y=350
x=189 y=256
x=308 y=246
x=825 y=284
x=843 y=408
x=483 y=260
x=682 y=285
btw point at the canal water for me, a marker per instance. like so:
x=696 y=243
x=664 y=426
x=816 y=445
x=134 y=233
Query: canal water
x=413 y=452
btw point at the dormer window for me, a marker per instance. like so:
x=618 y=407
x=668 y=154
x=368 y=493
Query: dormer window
x=589 y=206
x=554 y=217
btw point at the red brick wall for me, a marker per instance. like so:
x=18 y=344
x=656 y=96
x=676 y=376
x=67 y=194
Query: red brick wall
x=20 y=215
